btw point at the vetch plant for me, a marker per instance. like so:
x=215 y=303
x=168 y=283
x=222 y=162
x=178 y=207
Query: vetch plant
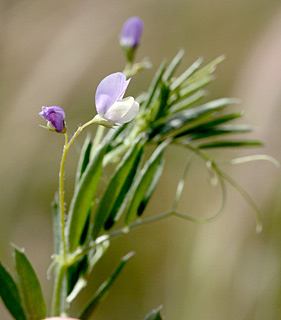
x=172 y=111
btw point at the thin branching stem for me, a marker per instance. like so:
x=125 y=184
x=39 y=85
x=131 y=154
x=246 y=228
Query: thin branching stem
x=58 y=304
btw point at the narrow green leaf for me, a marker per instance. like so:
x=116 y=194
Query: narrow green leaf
x=217 y=131
x=29 y=287
x=195 y=86
x=113 y=136
x=10 y=294
x=111 y=219
x=186 y=103
x=82 y=281
x=198 y=79
x=156 y=176
x=154 y=314
x=103 y=289
x=199 y=131
x=183 y=77
x=163 y=105
x=173 y=65
x=84 y=158
x=110 y=197
x=83 y=198
x=154 y=85
x=140 y=190
x=74 y=272
x=229 y=144
x=190 y=89
x=256 y=157
x=204 y=72
x=191 y=117
x=219 y=120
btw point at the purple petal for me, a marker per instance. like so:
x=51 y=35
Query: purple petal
x=131 y=32
x=111 y=89
x=55 y=115
x=124 y=89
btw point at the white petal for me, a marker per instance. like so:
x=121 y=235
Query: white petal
x=132 y=112
x=122 y=111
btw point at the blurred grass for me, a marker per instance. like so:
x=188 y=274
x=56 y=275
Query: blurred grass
x=55 y=53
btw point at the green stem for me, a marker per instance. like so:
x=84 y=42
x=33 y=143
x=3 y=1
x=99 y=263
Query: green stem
x=61 y=195
x=59 y=305
x=57 y=302
x=182 y=182
x=128 y=69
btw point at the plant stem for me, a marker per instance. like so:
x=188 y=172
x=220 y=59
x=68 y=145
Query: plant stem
x=61 y=194
x=59 y=305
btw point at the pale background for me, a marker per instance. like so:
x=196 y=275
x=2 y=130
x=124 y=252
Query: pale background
x=55 y=53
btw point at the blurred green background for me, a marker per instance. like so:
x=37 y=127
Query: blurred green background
x=55 y=53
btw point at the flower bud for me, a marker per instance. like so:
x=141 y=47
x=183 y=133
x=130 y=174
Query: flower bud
x=130 y=36
x=55 y=117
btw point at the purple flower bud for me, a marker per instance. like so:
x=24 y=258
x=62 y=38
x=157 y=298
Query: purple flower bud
x=131 y=32
x=111 y=107
x=55 y=115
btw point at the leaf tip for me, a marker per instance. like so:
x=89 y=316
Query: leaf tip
x=128 y=255
x=18 y=249
x=259 y=228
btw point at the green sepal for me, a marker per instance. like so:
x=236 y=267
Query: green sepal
x=129 y=52
x=83 y=198
x=103 y=289
x=154 y=314
x=10 y=294
x=141 y=192
x=110 y=197
x=29 y=287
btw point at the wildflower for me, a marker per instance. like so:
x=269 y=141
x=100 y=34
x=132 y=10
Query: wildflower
x=112 y=109
x=131 y=32
x=131 y=36
x=55 y=117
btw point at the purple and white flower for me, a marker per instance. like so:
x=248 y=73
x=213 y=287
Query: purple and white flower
x=112 y=109
x=55 y=117
x=131 y=32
